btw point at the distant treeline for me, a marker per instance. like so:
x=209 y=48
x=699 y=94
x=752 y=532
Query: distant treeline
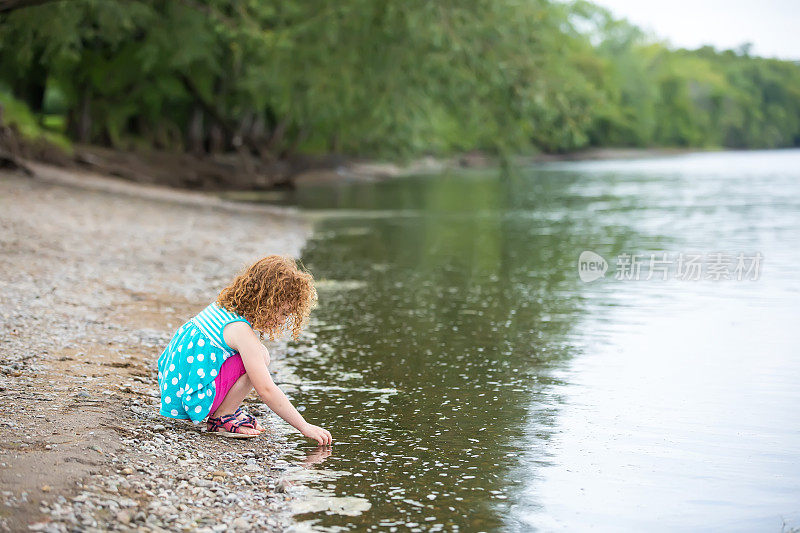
x=380 y=78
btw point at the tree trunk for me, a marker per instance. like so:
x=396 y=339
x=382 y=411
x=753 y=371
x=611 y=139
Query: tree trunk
x=301 y=136
x=334 y=143
x=195 y=132
x=85 y=117
x=216 y=139
x=277 y=134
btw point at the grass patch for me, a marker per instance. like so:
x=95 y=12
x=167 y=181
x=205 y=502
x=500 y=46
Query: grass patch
x=17 y=113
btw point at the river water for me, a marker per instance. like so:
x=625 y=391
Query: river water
x=473 y=381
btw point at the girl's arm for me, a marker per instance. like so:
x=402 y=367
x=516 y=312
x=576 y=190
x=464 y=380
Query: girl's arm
x=243 y=339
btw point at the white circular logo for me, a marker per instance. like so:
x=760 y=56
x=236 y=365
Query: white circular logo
x=591 y=266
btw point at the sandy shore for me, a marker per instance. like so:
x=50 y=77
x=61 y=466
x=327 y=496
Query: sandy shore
x=95 y=275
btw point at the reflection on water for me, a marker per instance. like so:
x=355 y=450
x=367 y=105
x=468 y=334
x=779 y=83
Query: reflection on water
x=473 y=382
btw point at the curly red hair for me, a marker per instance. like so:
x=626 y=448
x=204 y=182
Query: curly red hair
x=270 y=291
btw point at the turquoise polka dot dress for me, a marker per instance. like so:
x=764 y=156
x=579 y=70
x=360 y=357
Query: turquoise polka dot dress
x=190 y=362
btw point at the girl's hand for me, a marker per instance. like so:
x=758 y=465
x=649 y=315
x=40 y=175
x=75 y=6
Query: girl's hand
x=316 y=433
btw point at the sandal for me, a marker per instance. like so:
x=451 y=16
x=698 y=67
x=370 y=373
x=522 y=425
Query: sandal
x=249 y=420
x=230 y=425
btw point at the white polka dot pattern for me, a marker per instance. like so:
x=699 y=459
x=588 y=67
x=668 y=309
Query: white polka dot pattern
x=198 y=355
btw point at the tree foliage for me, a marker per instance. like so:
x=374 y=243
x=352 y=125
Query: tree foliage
x=381 y=78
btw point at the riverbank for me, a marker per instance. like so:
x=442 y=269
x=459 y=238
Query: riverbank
x=95 y=275
x=241 y=172
x=366 y=170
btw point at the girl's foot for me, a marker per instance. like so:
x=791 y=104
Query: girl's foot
x=248 y=420
x=231 y=426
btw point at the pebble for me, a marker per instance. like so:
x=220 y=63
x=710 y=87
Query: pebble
x=123 y=517
x=282 y=485
x=241 y=523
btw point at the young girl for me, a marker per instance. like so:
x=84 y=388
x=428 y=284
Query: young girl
x=216 y=358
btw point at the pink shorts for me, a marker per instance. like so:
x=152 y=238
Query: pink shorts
x=232 y=369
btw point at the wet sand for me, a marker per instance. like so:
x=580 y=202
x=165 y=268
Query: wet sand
x=95 y=275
